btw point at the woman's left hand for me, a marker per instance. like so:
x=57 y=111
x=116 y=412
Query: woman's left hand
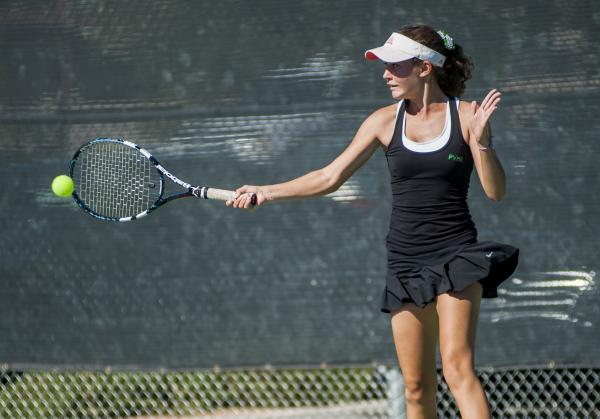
x=479 y=128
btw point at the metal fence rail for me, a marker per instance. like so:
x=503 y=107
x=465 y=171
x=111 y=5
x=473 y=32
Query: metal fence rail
x=301 y=392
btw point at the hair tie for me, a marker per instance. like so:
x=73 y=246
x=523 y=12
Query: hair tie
x=448 y=41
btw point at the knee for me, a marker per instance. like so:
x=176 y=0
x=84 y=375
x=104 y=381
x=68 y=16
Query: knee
x=419 y=391
x=458 y=369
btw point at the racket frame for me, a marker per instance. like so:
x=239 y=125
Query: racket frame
x=191 y=190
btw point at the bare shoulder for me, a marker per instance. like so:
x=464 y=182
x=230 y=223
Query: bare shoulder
x=381 y=123
x=465 y=115
x=383 y=114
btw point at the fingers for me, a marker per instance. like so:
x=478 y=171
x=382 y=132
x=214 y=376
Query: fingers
x=491 y=101
x=244 y=201
x=244 y=197
x=481 y=114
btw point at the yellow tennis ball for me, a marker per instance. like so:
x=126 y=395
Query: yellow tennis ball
x=63 y=186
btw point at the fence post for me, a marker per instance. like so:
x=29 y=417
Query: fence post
x=395 y=394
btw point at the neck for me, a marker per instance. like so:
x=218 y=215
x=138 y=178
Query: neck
x=426 y=100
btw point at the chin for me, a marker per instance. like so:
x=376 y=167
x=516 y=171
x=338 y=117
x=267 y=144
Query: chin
x=397 y=95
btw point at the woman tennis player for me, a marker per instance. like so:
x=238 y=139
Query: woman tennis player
x=437 y=270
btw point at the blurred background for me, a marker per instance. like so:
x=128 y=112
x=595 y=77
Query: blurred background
x=197 y=295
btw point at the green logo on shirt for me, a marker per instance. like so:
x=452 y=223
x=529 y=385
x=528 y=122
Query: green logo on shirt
x=454 y=157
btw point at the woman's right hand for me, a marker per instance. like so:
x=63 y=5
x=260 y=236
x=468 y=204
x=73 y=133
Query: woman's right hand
x=244 y=197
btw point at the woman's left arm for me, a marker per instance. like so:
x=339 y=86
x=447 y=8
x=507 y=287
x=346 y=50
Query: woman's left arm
x=489 y=169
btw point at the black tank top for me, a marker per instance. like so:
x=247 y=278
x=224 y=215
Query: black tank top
x=430 y=218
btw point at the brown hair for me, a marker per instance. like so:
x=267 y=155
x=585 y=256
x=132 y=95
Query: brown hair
x=452 y=77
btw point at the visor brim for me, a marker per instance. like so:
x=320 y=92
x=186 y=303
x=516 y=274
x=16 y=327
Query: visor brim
x=387 y=54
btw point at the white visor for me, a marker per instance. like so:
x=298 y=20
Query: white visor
x=400 y=48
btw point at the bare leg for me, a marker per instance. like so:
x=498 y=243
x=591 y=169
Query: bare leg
x=458 y=314
x=415 y=337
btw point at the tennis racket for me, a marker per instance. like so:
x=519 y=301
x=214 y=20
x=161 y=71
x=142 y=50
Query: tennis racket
x=117 y=180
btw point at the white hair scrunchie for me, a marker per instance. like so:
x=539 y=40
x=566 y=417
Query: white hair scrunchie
x=448 y=41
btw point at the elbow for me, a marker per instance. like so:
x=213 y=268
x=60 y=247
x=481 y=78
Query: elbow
x=495 y=188
x=495 y=191
x=496 y=196
x=332 y=185
x=331 y=182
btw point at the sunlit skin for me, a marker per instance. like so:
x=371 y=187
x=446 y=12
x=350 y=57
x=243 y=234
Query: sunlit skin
x=425 y=119
x=452 y=318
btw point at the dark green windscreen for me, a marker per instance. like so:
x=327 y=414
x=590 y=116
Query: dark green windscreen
x=233 y=92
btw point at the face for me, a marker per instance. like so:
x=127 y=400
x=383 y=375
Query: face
x=403 y=77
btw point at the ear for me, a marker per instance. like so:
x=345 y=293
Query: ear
x=426 y=69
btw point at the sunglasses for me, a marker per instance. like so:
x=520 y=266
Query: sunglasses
x=401 y=64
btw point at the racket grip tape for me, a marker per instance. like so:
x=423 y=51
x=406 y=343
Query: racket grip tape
x=222 y=195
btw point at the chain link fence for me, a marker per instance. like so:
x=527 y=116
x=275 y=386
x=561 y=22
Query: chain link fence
x=365 y=392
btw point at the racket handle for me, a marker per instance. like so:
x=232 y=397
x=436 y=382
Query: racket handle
x=222 y=195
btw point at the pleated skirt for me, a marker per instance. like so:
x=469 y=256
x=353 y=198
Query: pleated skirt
x=418 y=282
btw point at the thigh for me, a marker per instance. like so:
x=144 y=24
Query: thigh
x=458 y=314
x=415 y=337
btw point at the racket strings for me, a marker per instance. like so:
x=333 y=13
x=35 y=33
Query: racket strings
x=115 y=180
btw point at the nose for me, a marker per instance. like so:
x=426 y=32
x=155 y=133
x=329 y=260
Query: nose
x=387 y=75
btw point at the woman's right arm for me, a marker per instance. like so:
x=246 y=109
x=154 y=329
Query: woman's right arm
x=327 y=179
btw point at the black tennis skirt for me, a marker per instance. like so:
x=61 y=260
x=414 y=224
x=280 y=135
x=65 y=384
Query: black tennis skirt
x=420 y=283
